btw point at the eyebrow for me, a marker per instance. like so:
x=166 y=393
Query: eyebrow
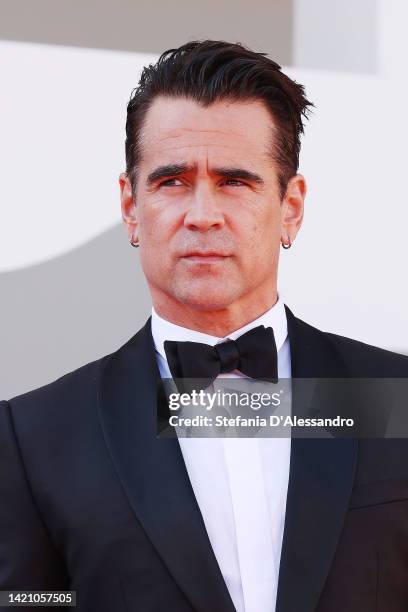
x=177 y=169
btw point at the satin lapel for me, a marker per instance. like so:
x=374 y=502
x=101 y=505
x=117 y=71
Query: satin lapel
x=153 y=473
x=320 y=482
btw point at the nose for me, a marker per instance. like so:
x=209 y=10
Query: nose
x=204 y=211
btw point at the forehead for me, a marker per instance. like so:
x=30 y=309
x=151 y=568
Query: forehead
x=175 y=126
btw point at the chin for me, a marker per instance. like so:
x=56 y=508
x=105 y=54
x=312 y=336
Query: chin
x=206 y=300
x=201 y=306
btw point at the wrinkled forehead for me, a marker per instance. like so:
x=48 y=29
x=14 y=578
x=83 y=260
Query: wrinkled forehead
x=180 y=126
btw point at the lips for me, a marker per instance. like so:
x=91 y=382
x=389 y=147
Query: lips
x=204 y=256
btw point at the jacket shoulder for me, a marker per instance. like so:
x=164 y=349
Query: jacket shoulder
x=359 y=358
x=58 y=405
x=370 y=360
x=55 y=409
x=68 y=397
x=82 y=377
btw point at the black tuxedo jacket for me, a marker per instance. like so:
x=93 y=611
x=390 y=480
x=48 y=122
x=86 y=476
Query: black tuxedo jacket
x=92 y=501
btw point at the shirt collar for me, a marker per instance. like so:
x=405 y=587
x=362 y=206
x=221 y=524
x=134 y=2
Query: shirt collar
x=163 y=330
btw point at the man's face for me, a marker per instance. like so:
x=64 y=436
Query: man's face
x=207 y=209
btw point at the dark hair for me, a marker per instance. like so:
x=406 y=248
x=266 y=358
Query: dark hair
x=209 y=70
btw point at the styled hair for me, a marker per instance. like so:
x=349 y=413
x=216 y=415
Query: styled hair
x=207 y=71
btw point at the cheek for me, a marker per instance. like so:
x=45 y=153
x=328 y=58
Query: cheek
x=155 y=228
x=156 y=233
x=258 y=234
x=156 y=264
x=260 y=242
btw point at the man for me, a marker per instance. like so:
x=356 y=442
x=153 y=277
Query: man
x=93 y=501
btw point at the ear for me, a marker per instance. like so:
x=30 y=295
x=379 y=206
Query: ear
x=128 y=206
x=292 y=207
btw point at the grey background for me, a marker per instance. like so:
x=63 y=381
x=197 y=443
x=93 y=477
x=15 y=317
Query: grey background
x=329 y=34
x=61 y=314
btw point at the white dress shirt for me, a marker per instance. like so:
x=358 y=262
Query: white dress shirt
x=240 y=483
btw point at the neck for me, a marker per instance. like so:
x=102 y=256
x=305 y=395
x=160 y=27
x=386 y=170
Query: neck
x=220 y=322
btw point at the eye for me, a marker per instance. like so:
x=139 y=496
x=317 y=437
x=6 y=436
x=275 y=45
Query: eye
x=169 y=182
x=235 y=182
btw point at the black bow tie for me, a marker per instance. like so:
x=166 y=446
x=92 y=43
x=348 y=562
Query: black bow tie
x=254 y=354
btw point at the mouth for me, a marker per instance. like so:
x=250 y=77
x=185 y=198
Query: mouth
x=204 y=258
